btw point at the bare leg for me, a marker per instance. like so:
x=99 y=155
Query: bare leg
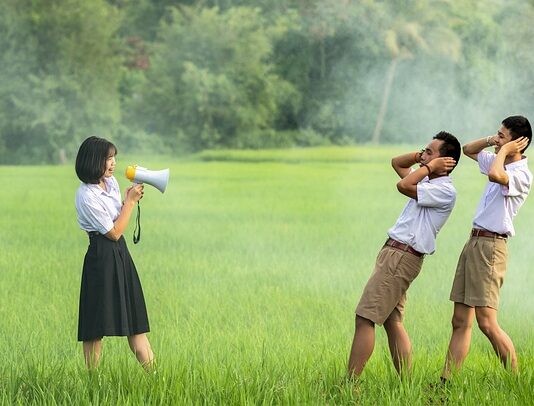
x=400 y=346
x=502 y=344
x=92 y=350
x=462 y=323
x=140 y=346
x=362 y=346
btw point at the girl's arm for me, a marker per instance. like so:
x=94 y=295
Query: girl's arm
x=133 y=195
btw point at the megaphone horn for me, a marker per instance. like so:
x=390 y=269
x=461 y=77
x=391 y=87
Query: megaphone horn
x=158 y=179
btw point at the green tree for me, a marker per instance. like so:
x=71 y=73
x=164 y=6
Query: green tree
x=327 y=57
x=210 y=79
x=61 y=64
x=416 y=27
x=16 y=57
x=515 y=58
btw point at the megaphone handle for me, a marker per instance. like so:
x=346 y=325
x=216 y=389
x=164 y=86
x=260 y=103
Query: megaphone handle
x=137 y=229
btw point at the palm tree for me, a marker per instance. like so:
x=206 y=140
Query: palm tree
x=405 y=39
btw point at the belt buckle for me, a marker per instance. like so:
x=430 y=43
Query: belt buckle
x=476 y=232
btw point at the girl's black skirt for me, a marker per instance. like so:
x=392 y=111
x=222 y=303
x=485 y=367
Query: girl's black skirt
x=111 y=297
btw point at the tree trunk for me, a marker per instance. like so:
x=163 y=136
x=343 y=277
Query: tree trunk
x=62 y=156
x=385 y=99
x=323 y=58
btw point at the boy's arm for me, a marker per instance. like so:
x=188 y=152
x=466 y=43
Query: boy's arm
x=474 y=147
x=440 y=166
x=497 y=173
x=402 y=163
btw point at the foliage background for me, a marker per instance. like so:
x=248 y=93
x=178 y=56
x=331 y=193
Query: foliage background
x=183 y=76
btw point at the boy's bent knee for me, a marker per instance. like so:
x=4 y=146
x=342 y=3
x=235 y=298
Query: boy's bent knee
x=461 y=322
x=362 y=321
x=488 y=329
x=391 y=324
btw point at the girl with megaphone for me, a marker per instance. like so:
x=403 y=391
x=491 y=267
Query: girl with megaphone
x=111 y=297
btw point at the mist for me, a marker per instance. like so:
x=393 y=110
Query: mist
x=178 y=77
x=467 y=88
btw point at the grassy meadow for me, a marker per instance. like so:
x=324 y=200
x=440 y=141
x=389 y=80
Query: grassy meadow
x=252 y=264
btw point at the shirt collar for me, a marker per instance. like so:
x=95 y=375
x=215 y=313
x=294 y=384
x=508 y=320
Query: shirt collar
x=98 y=190
x=517 y=164
x=441 y=179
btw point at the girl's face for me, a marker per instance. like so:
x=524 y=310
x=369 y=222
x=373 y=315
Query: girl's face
x=110 y=165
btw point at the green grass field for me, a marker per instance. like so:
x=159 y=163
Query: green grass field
x=252 y=264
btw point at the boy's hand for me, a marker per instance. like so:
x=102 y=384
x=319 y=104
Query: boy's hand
x=515 y=146
x=442 y=165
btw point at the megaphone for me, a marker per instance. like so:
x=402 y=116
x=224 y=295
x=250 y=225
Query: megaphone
x=158 y=179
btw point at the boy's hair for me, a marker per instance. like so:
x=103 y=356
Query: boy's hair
x=519 y=127
x=92 y=157
x=451 y=146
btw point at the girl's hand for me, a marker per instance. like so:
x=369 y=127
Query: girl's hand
x=134 y=193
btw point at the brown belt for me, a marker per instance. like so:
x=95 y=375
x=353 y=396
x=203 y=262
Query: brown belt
x=403 y=247
x=477 y=232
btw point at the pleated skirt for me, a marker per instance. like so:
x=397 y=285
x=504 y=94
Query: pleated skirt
x=111 y=297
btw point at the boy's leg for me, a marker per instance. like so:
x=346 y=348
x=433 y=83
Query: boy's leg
x=502 y=344
x=462 y=322
x=92 y=350
x=362 y=346
x=400 y=346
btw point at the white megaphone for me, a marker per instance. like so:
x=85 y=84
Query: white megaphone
x=158 y=179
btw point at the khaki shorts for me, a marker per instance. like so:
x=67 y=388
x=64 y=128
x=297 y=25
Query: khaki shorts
x=480 y=272
x=384 y=295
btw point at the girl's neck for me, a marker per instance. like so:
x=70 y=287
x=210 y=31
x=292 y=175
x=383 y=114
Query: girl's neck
x=102 y=184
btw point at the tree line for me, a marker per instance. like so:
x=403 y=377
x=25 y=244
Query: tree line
x=183 y=76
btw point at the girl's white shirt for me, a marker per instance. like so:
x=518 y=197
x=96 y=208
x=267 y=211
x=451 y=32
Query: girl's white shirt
x=97 y=209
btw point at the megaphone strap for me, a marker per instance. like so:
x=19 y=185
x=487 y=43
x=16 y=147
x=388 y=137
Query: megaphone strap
x=137 y=229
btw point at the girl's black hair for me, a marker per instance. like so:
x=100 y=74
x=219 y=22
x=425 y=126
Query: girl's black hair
x=92 y=157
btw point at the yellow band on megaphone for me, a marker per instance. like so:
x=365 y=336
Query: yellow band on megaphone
x=158 y=179
x=130 y=172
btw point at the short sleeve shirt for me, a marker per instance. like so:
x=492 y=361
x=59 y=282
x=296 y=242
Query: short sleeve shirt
x=421 y=219
x=97 y=209
x=499 y=203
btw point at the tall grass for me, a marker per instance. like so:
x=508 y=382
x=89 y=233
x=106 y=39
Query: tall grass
x=251 y=270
